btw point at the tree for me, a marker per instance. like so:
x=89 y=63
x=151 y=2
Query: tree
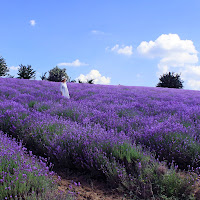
x=43 y=77
x=3 y=67
x=91 y=81
x=70 y=80
x=56 y=74
x=170 y=80
x=26 y=72
x=10 y=76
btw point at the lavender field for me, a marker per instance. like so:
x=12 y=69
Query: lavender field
x=143 y=141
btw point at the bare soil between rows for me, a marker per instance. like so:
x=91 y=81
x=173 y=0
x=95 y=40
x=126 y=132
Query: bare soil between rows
x=89 y=189
x=93 y=189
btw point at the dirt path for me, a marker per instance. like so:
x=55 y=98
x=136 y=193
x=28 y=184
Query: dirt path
x=88 y=189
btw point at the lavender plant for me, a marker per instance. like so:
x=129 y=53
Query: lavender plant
x=23 y=176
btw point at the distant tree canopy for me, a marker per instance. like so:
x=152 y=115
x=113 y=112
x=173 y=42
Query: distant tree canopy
x=170 y=80
x=10 y=76
x=26 y=72
x=56 y=74
x=70 y=80
x=90 y=81
x=43 y=77
x=3 y=67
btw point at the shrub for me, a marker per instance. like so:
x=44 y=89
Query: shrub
x=170 y=80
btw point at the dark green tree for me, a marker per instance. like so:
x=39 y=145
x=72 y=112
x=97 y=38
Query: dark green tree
x=170 y=80
x=91 y=81
x=10 y=76
x=56 y=74
x=70 y=80
x=26 y=72
x=3 y=67
x=43 y=77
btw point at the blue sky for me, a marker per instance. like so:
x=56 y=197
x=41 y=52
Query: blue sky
x=115 y=42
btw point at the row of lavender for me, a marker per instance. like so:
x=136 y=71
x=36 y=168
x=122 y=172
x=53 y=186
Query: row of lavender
x=22 y=175
x=98 y=128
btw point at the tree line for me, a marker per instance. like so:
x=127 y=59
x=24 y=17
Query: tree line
x=169 y=80
x=27 y=72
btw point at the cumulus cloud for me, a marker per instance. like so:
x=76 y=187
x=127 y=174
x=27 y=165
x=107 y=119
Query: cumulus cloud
x=96 y=76
x=75 y=63
x=125 y=50
x=13 y=68
x=32 y=22
x=175 y=55
x=166 y=46
x=194 y=84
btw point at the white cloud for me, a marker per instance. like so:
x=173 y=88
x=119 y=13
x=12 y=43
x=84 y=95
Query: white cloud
x=194 y=84
x=175 y=55
x=97 y=32
x=167 y=46
x=75 y=63
x=193 y=70
x=13 y=68
x=125 y=50
x=96 y=76
x=32 y=22
x=191 y=75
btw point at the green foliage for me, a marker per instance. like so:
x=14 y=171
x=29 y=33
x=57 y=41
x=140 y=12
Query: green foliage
x=181 y=148
x=170 y=80
x=126 y=152
x=43 y=77
x=56 y=74
x=3 y=67
x=67 y=113
x=176 y=186
x=31 y=104
x=10 y=76
x=91 y=81
x=130 y=169
x=26 y=72
x=43 y=108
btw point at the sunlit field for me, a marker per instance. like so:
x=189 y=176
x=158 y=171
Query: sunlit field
x=143 y=141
